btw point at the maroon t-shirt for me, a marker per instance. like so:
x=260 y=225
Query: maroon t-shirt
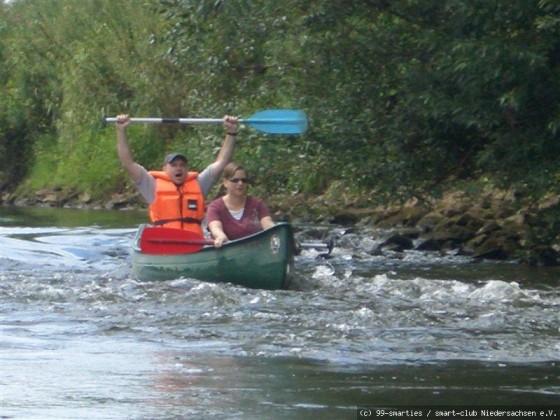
x=249 y=223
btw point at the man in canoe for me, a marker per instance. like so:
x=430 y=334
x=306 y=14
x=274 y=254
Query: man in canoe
x=176 y=196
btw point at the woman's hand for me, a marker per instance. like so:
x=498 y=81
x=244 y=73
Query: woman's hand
x=220 y=239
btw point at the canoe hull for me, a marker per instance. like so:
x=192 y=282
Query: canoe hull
x=262 y=261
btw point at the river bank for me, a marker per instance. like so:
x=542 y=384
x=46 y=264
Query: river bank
x=491 y=225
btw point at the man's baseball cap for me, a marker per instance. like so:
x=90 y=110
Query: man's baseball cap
x=172 y=156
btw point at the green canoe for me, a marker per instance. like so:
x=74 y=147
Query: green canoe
x=264 y=260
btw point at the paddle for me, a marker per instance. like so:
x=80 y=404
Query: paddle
x=168 y=241
x=318 y=245
x=273 y=121
x=162 y=240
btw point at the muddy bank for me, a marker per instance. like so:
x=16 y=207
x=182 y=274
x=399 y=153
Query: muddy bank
x=486 y=226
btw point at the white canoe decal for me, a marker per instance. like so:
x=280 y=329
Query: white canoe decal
x=275 y=244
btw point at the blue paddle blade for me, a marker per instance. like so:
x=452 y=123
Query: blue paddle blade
x=280 y=121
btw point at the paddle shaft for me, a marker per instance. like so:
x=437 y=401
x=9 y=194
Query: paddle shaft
x=193 y=121
x=316 y=245
x=181 y=241
x=305 y=245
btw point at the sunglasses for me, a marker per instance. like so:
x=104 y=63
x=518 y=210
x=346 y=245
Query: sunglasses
x=242 y=180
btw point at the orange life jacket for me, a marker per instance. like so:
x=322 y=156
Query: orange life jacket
x=180 y=207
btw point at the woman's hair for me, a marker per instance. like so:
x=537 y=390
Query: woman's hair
x=231 y=168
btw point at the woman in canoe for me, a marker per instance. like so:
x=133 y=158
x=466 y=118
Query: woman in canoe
x=236 y=214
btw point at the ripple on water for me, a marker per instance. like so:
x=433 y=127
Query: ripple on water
x=339 y=304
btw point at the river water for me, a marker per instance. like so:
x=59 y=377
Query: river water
x=81 y=339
